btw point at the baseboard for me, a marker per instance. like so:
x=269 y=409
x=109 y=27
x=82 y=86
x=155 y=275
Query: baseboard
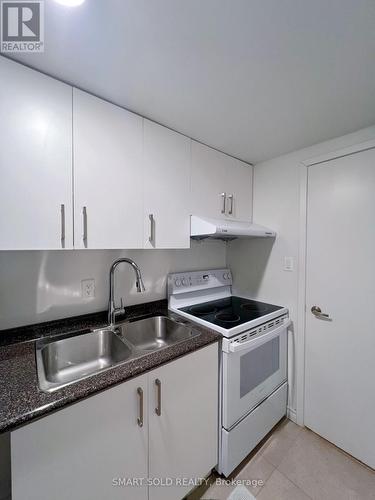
x=291 y=414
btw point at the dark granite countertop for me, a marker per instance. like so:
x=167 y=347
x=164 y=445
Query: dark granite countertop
x=21 y=400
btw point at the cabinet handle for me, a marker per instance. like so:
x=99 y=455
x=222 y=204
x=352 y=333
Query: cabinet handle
x=84 y=215
x=140 y=418
x=62 y=210
x=224 y=198
x=158 y=389
x=230 y=211
x=152 y=225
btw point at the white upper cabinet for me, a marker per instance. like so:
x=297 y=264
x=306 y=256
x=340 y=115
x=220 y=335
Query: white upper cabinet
x=221 y=186
x=135 y=182
x=208 y=181
x=239 y=189
x=166 y=187
x=108 y=145
x=35 y=160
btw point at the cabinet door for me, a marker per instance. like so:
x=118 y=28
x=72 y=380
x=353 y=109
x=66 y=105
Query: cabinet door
x=35 y=160
x=166 y=187
x=83 y=451
x=239 y=187
x=183 y=437
x=208 y=181
x=107 y=174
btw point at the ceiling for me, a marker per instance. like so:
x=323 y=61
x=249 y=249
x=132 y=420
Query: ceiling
x=253 y=78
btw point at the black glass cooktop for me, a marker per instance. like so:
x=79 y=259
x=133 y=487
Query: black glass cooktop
x=231 y=311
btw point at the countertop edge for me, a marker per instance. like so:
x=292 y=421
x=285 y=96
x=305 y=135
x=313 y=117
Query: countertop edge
x=42 y=412
x=23 y=402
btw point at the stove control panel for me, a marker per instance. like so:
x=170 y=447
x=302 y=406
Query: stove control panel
x=198 y=280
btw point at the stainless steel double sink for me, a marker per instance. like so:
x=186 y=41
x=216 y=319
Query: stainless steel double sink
x=69 y=358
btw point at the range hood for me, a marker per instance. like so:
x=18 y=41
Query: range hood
x=202 y=227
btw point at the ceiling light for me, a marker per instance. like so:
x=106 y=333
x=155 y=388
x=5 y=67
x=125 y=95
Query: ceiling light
x=70 y=3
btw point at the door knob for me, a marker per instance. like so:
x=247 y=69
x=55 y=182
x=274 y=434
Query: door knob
x=317 y=312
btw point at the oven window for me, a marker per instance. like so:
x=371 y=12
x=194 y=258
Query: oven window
x=259 y=364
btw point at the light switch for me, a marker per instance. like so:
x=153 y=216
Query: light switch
x=288 y=264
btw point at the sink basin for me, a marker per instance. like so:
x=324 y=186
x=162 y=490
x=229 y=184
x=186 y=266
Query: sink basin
x=70 y=359
x=154 y=333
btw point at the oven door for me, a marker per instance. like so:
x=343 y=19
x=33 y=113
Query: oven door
x=251 y=371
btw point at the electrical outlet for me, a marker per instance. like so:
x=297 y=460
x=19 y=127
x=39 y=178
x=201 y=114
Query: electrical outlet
x=88 y=288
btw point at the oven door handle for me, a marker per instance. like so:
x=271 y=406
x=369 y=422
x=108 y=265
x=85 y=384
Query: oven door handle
x=262 y=339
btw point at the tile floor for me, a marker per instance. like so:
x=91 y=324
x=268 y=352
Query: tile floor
x=296 y=464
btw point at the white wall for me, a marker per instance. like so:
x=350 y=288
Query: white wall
x=38 y=286
x=257 y=265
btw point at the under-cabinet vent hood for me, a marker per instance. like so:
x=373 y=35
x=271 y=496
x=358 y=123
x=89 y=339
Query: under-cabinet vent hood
x=202 y=227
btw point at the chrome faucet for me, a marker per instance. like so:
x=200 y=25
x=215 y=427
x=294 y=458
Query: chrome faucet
x=113 y=311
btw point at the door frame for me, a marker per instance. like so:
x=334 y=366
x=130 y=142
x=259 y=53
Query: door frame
x=302 y=264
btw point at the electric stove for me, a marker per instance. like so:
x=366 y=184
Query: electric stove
x=253 y=359
x=205 y=297
x=230 y=311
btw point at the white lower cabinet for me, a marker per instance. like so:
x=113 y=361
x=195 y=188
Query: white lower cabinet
x=94 y=448
x=81 y=451
x=184 y=433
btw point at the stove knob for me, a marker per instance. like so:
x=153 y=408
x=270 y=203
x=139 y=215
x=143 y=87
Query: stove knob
x=177 y=282
x=225 y=276
x=183 y=282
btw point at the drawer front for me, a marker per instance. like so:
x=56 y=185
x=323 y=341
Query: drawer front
x=242 y=439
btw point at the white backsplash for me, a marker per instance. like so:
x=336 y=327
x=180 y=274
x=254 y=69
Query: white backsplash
x=37 y=286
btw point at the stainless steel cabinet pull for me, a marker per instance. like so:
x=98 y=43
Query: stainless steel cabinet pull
x=158 y=388
x=317 y=312
x=224 y=197
x=152 y=224
x=140 y=418
x=62 y=209
x=84 y=214
x=230 y=197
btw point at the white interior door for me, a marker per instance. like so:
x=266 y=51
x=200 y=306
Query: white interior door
x=340 y=350
x=35 y=160
x=108 y=146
